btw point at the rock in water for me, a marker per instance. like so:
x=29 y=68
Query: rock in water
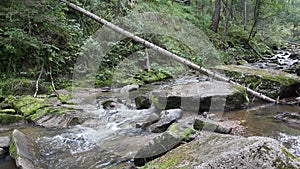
x=163 y=143
x=23 y=150
x=209 y=125
x=167 y=117
x=210 y=96
x=142 y=102
x=273 y=83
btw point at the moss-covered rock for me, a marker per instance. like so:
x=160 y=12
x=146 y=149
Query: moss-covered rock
x=200 y=97
x=272 y=83
x=9 y=118
x=211 y=150
x=163 y=143
x=23 y=150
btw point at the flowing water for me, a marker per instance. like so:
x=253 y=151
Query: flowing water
x=109 y=138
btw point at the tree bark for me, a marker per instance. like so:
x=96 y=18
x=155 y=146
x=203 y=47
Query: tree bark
x=245 y=14
x=228 y=10
x=165 y=52
x=216 y=18
x=256 y=18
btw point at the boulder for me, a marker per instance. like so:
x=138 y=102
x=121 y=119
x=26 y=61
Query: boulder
x=209 y=125
x=10 y=118
x=129 y=88
x=4 y=141
x=212 y=150
x=163 y=143
x=200 y=97
x=150 y=119
x=55 y=119
x=167 y=117
x=142 y=102
x=3 y=153
x=23 y=150
x=273 y=83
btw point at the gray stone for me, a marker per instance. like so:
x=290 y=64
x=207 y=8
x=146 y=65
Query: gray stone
x=152 y=118
x=163 y=143
x=167 y=117
x=212 y=150
x=23 y=151
x=58 y=120
x=129 y=88
x=209 y=125
x=4 y=141
x=142 y=102
x=273 y=83
x=203 y=96
x=2 y=153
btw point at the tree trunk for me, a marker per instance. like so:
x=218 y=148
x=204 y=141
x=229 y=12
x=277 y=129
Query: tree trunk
x=245 y=14
x=256 y=19
x=165 y=52
x=216 y=18
x=228 y=10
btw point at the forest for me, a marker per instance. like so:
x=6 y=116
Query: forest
x=149 y=84
x=36 y=34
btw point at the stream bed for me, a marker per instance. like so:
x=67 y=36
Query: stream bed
x=110 y=138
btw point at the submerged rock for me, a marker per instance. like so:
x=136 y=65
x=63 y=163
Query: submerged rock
x=212 y=150
x=23 y=150
x=199 y=97
x=289 y=117
x=273 y=83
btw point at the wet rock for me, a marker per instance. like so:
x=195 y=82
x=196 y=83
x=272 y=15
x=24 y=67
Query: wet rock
x=167 y=117
x=163 y=143
x=57 y=120
x=109 y=104
x=152 y=118
x=4 y=141
x=289 y=117
x=23 y=150
x=212 y=150
x=2 y=153
x=199 y=97
x=129 y=88
x=209 y=125
x=142 y=102
x=273 y=83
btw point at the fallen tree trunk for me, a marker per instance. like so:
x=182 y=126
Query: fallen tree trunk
x=165 y=52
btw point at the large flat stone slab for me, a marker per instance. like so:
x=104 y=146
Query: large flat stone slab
x=211 y=150
x=200 y=96
x=272 y=83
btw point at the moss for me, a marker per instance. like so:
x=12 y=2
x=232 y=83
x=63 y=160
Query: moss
x=26 y=105
x=170 y=162
x=8 y=118
x=185 y=133
x=64 y=98
x=13 y=150
x=281 y=77
x=48 y=110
